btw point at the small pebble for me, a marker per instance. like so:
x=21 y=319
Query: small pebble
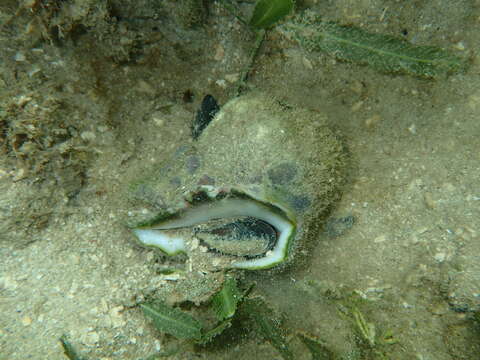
x=232 y=78
x=357 y=106
x=307 y=63
x=20 y=57
x=88 y=135
x=116 y=316
x=372 y=121
x=145 y=88
x=158 y=120
x=219 y=53
x=26 y=320
x=429 y=202
x=92 y=338
x=194 y=244
x=440 y=257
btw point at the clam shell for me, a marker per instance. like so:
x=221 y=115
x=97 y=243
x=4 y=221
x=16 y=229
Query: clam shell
x=248 y=191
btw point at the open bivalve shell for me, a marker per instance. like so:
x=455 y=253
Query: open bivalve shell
x=248 y=191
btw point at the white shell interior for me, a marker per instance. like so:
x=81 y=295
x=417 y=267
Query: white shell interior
x=226 y=208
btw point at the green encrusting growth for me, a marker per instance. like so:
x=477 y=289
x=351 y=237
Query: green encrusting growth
x=382 y=52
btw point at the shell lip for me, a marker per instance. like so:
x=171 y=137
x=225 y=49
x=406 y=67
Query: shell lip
x=206 y=203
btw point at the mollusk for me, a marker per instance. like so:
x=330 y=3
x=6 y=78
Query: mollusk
x=253 y=233
x=248 y=192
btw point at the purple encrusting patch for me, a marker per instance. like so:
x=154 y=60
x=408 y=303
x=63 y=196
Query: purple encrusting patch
x=192 y=163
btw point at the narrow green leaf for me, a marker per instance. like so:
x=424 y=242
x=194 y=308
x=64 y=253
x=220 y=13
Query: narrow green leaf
x=68 y=349
x=172 y=321
x=217 y=330
x=268 y=325
x=366 y=329
x=383 y=52
x=268 y=12
x=225 y=301
x=318 y=350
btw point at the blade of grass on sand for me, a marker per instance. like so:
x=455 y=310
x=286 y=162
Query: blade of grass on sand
x=172 y=321
x=382 y=52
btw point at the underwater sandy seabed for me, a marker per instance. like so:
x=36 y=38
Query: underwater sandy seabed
x=92 y=95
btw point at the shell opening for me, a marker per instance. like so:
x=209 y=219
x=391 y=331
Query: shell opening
x=233 y=218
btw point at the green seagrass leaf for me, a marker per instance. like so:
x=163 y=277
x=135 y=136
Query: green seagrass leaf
x=382 y=52
x=172 y=321
x=268 y=325
x=268 y=12
x=217 y=330
x=318 y=350
x=225 y=301
x=69 y=350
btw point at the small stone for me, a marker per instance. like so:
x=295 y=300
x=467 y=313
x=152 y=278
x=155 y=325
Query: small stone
x=158 y=120
x=357 y=106
x=372 y=121
x=406 y=305
x=7 y=283
x=448 y=187
x=150 y=256
x=194 y=244
x=92 y=338
x=307 y=63
x=219 y=53
x=357 y=87
x=429 y=202
x=74 y=259
x=440 y=257
x=145 y=88
x=20 y=57
x=232 y=78
x=459 y=46
x=216 y=262
x=473 y=101
x=33 y=71
x=26 y=320
x=20 y=174
x=116 y=316
x=88 y=135
x=23 y=100
x=439 y=309
x=380 y=239
x=104 y=306
x=28 y=4
x=221 y=83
